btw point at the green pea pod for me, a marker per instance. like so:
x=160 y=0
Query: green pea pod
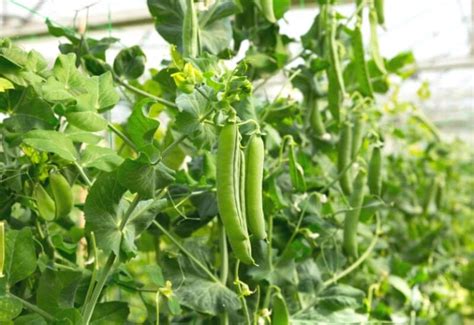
x=296 y=171
x=361 y=69
x=62 y=195
x=344 y=158
x=358 y=133
x=242 y=187
x=280 y=315
x=439 y=195
x=375 y=172
x=228 y=182
x=334 y=94
x=379 y=8
x=190 y=32
x=242 y=250
x=44 y=202
x=2 y=248
x=430 y=197
x=374 y=42
x=315 y=119
x=352 y=216
x=334 y=53
x=267 y=10
x=255 y=155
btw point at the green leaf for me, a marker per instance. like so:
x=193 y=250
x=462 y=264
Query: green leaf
x=401 y=285
x=9 y=308
x=99 y=94
x=329 y=317
x=30 y=319
x=20 y=255
x=101 y=158
x=104 y=210
x=87 y=121
x=5 y=84
x=341 y=296
x=81 y=136
x=139 y=176
x=111 y=312
x=155 y=274
x=130 y=62
x=140 y=127
x=51 y=141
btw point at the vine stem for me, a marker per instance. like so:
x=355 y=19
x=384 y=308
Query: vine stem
x=144 y=93
x=186 y=252
x=33 y=308
x=122 y=136
x=224 y=319
x=83 y=174
x=89 y=305
x=242 y=297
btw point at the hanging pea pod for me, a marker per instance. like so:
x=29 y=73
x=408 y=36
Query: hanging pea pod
x=334 y=94
x=2 y=248
x=374 y=41
x=335 y=60
x=429 y=201
x=267 y=9
x=255 y=155
x=344 y=158
x=190 y=31
x=375 y=172
x=296 y=171
x=352 y=216
x=358 y=133
x=44 y=202
x=209 y=166
x=62 y=195
x=361 y=69
x=380 y=10
x=280 y=314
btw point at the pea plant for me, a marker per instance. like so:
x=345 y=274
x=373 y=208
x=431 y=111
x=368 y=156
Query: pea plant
x=216 y=203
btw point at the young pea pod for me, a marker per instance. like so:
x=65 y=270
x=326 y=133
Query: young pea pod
x=296 y=171
x=2 y=248
x=374 y=41
x=242 y=250
x=267 y=9
x=62 y=195
x=379 y=8
x=44 y=202
x=190 y=32
x=228 y=182
x=361 y=69
x=344 y=158
x=352 y=216
x=255 y=155
x=334 y=93
x=280 y=315
x=358 y=133
x=316 y=122
x=375 y=172
x=334 y=53
x=209 y=166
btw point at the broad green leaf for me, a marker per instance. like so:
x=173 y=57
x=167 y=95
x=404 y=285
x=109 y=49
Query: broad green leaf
x=140 y=127
x=20 y=255
x=139 y=176
x=9 y=308
x=5 y=84
x=99 y=94
x=87 y=121
x=341 y=296
x=55 y=90
x=401 y=285
x=111 y=312
x=101 y=158
x=30 y=319
x=329 y=317
x=130 y=62
x=155 y=274
x=81 y=136
x=104 y=210
x=51 y=141
x=57 y=290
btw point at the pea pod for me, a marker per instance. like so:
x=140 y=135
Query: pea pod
x=242 y=250
x=361 y=69
x=296 y=171
x=334 y=93
x=334 y=53
x=280 y=315
x=374 y=41
x=2 y=248
x=209 y=166
x=44 y=202
x=357 y=135
x=379 y=8
x=267 y=10
x=352 y=216
x=190 y=31
x=62 y=195
x=344 y=158
x=253 y=190
x=316 y=122
x=228 y=182
x=375 y=172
